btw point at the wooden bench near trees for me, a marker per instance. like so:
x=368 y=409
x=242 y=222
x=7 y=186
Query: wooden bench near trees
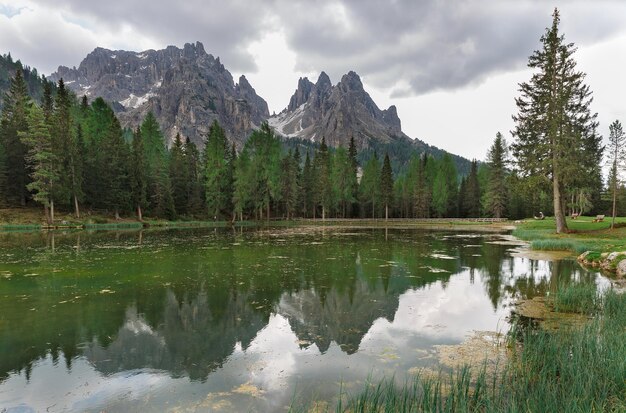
x=598 y=218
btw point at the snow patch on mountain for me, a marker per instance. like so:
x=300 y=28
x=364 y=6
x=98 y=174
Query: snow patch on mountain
x=288 y=123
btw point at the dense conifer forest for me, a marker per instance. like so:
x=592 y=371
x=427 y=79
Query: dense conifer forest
x=59 y=151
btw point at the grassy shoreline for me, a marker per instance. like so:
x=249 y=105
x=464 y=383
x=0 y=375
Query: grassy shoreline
x=575 y=368
x=585 y=235
x=24 y=219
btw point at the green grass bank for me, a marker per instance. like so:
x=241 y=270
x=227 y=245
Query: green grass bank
x=580 y=368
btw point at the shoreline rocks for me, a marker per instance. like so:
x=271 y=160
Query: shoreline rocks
x=613 y=262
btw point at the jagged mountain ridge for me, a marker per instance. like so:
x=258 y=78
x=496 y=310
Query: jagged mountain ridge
x=338 y=113
x=346 y=110
x=185 y=88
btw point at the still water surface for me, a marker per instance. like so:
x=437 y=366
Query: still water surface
x=245 y=320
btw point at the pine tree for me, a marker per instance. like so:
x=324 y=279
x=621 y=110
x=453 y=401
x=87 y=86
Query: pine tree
x=157 y=167
x=307 y=187
x=216 y=171
x=289 y=184
x=17 y=105
x=369 y=188
x=42 y=160
x=445 y=188
x=471 y=197
x=243 y=183
x=555 y=131
x=61 y=130
x=194 y=172
x=343 y=181
x=422 y=190
x=352 y=153
x=386 y=185
x=440 y=195
x=496 y=193
x=77 y=168
x=462 y=197
x=617 y=159
x=47 y=103
x=116 y=188
x=257 y=182
x=138 y=179
x=179 y=176
x=322 y=193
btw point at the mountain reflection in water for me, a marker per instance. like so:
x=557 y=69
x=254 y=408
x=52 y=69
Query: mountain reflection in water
x=248 y=318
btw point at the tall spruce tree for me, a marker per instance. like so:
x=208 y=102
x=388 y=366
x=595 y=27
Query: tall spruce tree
x=157 y=165
x=352 y=153
x=289 y=184
x=555 y=131
x=422 y=191
x=77 y=168
x=322 y=193
x=307 y=187
x=63 y=145
x=216 y=164
x=115 y=188
x=617 y=160
x=42 y=160
x=258 y=173
x=386 y=185
x=137 y=174
x=496 y=194
x=471 y=197
x=195 y=198
x=179 y=176
x=16 y=172
x=98 y=120
x=369 y=188
x=343 y=181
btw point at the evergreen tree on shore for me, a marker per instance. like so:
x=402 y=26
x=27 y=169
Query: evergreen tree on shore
x=16 y=174
x=471 y=193
x=42 y=161
x=617 y=161
x=138 y=179
x=555 y=131
x=495 y=200
x=386 y=185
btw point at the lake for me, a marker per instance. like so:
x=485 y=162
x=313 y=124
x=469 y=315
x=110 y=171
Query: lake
x=244 y=320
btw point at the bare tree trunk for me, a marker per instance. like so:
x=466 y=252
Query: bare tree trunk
x=561 y=224
x=139 y=214
x=614 y=201
x=52 y=211
x=323 y=213
x=117 y=214
x=268 y=211
x=46 y=213
x=386 y=212
x=76 y=209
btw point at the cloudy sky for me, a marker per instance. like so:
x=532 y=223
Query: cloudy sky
x=451 y=67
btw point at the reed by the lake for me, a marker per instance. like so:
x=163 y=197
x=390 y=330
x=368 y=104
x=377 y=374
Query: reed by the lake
x=573 y=369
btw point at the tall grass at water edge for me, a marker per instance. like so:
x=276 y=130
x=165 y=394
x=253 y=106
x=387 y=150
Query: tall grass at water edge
x=577 y=369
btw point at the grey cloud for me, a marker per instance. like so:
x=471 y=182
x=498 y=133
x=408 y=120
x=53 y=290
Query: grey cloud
x=411 y=46
x=432 y=45
x=225 y=28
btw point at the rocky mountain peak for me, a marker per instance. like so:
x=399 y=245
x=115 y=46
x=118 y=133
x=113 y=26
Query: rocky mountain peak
x=337 y=113
x=191 y=51
x=390 y=117
x=351 y=81
x=185 y=88
x=302 y=93
x=323 y=82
